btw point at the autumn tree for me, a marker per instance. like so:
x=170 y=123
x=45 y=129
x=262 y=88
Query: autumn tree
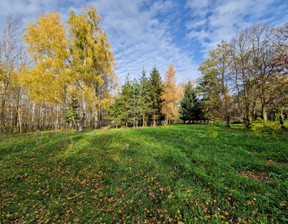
x=214 y=83
x=11 y=51
x=279 y=96
x=47 y=45
x=169 y=94
x=262 y=53
x=90 y=58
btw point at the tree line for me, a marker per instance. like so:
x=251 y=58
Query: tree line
x=56 y=75
x=240 y=81
x=247 y=77
x=148 y=101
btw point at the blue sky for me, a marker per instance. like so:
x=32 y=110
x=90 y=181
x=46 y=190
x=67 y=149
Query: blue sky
x=147 y=33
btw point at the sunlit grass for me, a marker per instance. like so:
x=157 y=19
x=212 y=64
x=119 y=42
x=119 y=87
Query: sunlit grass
x=176 y=175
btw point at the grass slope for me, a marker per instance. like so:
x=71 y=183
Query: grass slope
x=144 y=175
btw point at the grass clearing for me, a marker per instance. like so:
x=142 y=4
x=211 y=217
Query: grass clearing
x=160 y=175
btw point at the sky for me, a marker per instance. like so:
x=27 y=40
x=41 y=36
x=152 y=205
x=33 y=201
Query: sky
x=148 y=33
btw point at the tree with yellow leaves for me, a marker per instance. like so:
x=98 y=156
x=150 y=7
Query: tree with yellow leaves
x=47 y=45
x=49 y=79
x=91 y=60
x=169 y=94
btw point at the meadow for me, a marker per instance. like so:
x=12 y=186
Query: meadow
x=144 y=175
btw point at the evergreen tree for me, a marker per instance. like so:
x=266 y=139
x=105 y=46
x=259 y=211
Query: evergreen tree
x=155 y=93
x=144 y=99
x=190 y=109
x=134 y=102
x=125 y=99
x=115 y=111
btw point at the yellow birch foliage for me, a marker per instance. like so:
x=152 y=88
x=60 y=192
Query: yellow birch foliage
x=169 y=95
x=47 y=45
x=92 y=61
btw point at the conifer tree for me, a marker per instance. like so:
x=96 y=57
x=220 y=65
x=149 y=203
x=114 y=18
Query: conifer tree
x=190 y=109
x=169 y=94
x=134 y=102
x=155 y=94
x=144 y=99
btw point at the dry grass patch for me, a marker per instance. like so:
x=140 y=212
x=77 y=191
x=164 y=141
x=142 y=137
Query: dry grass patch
x=262 y=176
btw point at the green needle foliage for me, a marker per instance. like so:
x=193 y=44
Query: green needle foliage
x=190 y=106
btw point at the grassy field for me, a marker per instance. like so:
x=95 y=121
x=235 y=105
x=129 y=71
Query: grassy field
x=174 y=175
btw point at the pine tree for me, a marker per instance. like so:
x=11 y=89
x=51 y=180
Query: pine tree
x=155 y=94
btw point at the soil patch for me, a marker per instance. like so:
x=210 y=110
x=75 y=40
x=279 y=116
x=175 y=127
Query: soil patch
x=262 y=176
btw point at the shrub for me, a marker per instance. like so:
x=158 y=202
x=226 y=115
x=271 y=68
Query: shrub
x=213 y=128
x=265 y=129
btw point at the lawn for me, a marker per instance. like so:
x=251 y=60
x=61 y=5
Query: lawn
x=174 y=175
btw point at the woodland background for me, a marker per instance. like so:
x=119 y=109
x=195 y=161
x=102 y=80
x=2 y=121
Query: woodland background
x=56 y=75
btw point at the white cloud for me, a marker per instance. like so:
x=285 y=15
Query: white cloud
x=143 y=32
x=141 y=39
x=225 y=17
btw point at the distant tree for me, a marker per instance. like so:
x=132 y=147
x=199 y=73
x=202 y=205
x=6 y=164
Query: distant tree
x=279 y=95
x=11 y=50
x=144 y=98
x=169 y=94
x=125 y=99
x=135 y=105
x=214 y=83
x=190 y=107
x=116 y=111
x=155 y=94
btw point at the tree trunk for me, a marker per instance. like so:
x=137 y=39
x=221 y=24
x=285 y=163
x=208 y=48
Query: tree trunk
x=56 y=119
x=154 y=120
x=20 y=118
x=228 y=121
x=33 y=117
x=82 y=122
x=3 y=101
x=96 y=123
x=281 y=117
x=81 y=125
x=264 y=113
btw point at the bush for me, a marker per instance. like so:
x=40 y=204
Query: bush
x=265 y=129
x=213 y=128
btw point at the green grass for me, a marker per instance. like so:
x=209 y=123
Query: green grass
x=152 y=174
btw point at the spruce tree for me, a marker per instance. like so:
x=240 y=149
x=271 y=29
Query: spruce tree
x=144 y=98
x=155 y=94
x=190 y=109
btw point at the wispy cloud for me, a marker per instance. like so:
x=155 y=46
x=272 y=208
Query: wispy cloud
x=147 y=33
x=221 y=19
